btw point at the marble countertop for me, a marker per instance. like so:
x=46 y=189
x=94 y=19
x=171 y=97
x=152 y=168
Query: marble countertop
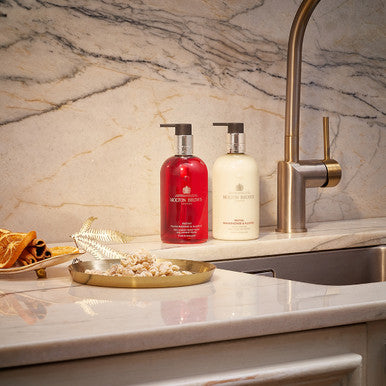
x=55 y=319
x=320 y=236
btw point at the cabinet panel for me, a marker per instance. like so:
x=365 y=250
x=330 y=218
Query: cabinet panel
x=376 y=363
x=318 y=357
x=328 y=371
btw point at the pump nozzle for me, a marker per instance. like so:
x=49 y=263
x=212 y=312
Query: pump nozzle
x=233 y=127
x=181 y=128
x=184 y=138
x=235 y=138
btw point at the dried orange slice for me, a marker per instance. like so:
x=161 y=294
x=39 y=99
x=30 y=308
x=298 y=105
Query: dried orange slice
x=3 y=232
x=66 y=250
x=12 y=245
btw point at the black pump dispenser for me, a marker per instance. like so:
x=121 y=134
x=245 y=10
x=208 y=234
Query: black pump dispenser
x=184 y=137
x=233 y=127
x=235 y=137
x=181 y=128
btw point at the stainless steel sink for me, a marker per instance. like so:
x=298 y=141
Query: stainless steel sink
x=333 y=267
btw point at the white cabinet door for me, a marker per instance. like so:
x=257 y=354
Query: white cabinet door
x=336 y=370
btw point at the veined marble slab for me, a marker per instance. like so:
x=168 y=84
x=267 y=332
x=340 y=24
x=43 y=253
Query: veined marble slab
x=58 y=320
x=84 y=86
x=55 y=319
x=320 y=236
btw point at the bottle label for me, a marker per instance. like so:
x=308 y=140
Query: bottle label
x=239 y=226
x=235 y=211
x=186 y=229
x=184 y=200
x=238 y=196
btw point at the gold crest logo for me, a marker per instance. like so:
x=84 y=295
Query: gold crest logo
x=186 y=190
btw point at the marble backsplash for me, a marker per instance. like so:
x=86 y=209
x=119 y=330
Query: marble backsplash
x=84 y=86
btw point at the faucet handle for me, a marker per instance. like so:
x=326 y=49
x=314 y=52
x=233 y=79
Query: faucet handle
x=326 y=137
x=334 y=171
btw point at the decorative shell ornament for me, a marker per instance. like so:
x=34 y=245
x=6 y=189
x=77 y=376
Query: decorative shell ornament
x=93 y=241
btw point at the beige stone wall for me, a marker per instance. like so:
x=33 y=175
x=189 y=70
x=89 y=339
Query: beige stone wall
x=84 y=86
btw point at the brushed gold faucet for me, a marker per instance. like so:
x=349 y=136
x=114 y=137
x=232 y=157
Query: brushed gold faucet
x=294 y=176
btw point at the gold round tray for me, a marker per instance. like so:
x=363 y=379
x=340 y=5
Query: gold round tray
x=201 y=273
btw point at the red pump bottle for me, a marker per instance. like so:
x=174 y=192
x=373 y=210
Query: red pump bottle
x=184 y=192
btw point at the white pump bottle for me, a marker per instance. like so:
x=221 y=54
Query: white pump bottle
x=235 y=180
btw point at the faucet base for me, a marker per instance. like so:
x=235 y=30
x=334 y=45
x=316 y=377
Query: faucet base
x=291 y=230
x=292 y=180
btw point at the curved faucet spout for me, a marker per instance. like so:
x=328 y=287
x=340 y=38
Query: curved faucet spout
x=294 y=70
x=294 y=176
